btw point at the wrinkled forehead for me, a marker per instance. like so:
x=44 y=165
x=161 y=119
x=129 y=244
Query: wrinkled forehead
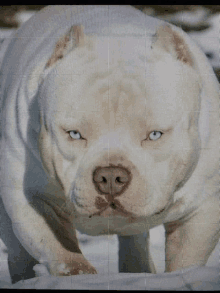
x=104 y=68
x=93 y=92
x=115 y=77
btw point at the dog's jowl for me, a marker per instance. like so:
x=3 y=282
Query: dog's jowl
x=109 y=125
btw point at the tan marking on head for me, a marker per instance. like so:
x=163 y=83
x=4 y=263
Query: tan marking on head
x=172 y=42
x=79 y=35
x=73 y=38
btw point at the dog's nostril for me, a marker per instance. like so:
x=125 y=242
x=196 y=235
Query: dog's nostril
x=104 y=179
x=118 y=179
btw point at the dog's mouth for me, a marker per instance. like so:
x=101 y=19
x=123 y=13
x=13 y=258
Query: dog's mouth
x=160 y=211
x=113 y=206
x=167 y=206
x=116 y=207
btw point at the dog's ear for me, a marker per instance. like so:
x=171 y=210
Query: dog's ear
x=173 y=43
x=73 y=38
x=66 y=43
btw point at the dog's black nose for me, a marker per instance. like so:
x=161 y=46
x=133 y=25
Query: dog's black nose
x=111 y=180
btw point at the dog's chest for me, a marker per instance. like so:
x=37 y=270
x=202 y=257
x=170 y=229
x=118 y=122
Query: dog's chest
x=99 y=225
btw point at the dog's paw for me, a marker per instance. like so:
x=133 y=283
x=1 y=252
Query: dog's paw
x=73 y=266
x=76 y=269
x=41 y=270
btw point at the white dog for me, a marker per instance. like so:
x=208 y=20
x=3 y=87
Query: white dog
x=109 y=125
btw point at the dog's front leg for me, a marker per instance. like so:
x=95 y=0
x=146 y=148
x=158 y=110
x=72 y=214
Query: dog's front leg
x=20 y=262
x=134 y=255
x=44 y=243
x=190 y=241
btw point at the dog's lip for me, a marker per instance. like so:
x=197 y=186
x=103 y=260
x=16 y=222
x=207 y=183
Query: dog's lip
x=162 y=210
x=113 y=205
x=117 y=210
x=167 y=206
x=103 y=209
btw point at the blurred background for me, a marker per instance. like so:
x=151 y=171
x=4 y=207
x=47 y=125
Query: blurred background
x=202 y=23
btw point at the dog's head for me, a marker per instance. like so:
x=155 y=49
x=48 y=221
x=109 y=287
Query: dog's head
x=119 y=122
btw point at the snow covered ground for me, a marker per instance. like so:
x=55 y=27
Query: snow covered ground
x=102 y=251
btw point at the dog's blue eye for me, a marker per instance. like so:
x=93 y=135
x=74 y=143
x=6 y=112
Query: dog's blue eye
x=154 y=135
x=74 y=134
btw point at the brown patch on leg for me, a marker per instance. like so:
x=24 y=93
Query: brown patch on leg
x=69 y=264
x=73 y=38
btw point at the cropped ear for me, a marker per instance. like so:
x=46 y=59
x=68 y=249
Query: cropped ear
x=173 y=43
x=73 y=38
